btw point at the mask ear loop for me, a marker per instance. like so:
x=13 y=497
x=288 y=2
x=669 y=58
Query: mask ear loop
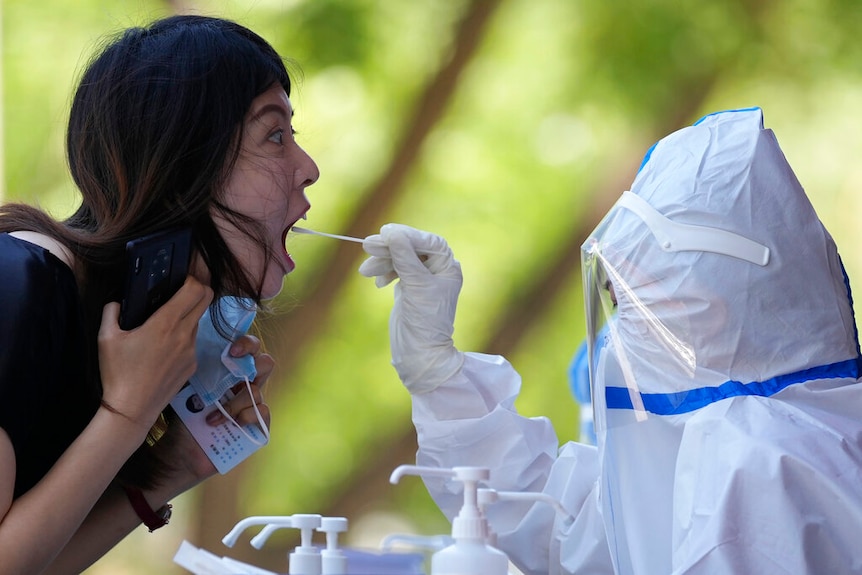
x=260 y=420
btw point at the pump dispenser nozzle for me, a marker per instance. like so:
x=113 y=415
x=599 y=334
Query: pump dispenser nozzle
x=487 y=496
x=470 y=554
x=242 y=525
x=305 y=559
x=258 y=540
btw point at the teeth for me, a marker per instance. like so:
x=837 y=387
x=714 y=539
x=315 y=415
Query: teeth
x=305 y=216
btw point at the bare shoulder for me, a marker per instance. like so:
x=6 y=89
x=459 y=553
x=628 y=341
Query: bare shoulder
x=7 y=473
x=47 y=242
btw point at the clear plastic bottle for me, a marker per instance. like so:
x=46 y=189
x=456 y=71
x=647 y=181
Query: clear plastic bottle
x=470 y=553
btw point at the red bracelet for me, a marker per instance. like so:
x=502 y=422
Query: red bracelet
x=152 y=519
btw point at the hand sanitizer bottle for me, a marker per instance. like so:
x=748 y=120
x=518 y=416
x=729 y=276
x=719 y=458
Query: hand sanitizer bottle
x=333 y=559
x=470 y=554
x=305 y=558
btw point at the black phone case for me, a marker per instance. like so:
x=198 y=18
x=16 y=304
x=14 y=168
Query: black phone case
x=157 y=266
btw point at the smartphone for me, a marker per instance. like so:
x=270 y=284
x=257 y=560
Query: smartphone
x=157 y=266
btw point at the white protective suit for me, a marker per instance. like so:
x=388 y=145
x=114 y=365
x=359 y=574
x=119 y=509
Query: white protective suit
x=728 y=408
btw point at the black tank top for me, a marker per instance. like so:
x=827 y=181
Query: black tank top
x=44 y=399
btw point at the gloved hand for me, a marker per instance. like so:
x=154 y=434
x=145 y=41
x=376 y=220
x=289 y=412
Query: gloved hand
x=423 y=317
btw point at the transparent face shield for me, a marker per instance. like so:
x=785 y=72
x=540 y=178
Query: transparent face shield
x=642 y=360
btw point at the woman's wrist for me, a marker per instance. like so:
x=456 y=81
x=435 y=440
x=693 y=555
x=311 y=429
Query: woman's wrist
x=126 y=425
x=153 y=518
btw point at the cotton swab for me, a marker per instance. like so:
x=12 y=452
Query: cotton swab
x=423 y=257
x=334 y=236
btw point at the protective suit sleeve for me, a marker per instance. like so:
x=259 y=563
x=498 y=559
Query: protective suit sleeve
x=471 y=420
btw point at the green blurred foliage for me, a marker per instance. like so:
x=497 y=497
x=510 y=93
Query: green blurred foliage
x=44 y=46
x=560 y=102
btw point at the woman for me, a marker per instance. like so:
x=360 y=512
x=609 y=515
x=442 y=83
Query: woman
x=184 y=123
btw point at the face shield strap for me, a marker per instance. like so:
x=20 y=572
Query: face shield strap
x=676 y=237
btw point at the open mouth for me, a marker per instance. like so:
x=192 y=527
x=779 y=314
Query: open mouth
x=289 y=264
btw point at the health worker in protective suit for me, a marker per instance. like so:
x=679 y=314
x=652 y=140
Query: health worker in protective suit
x=724 y=363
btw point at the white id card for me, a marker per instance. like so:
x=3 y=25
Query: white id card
x=225 y=445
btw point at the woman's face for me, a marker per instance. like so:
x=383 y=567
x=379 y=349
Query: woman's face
x=268 y=184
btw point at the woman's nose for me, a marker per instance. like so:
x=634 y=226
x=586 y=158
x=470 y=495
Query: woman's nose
x=308 y=171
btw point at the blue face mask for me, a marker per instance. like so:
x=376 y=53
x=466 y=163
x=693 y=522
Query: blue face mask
x=218 y=371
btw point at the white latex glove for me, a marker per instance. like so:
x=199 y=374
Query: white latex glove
x=423 y=317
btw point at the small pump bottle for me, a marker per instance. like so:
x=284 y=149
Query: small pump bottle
x=305 y=558
x=333 y=559
x=470 y=554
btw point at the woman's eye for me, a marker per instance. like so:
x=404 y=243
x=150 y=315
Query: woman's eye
x=277 y=137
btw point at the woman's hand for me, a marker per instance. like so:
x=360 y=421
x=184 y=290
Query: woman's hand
x=241 y=407
x=142 y=369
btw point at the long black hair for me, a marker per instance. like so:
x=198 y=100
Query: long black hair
x=154 y=131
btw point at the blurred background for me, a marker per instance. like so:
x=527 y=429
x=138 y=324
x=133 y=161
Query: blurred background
x=507 y=126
